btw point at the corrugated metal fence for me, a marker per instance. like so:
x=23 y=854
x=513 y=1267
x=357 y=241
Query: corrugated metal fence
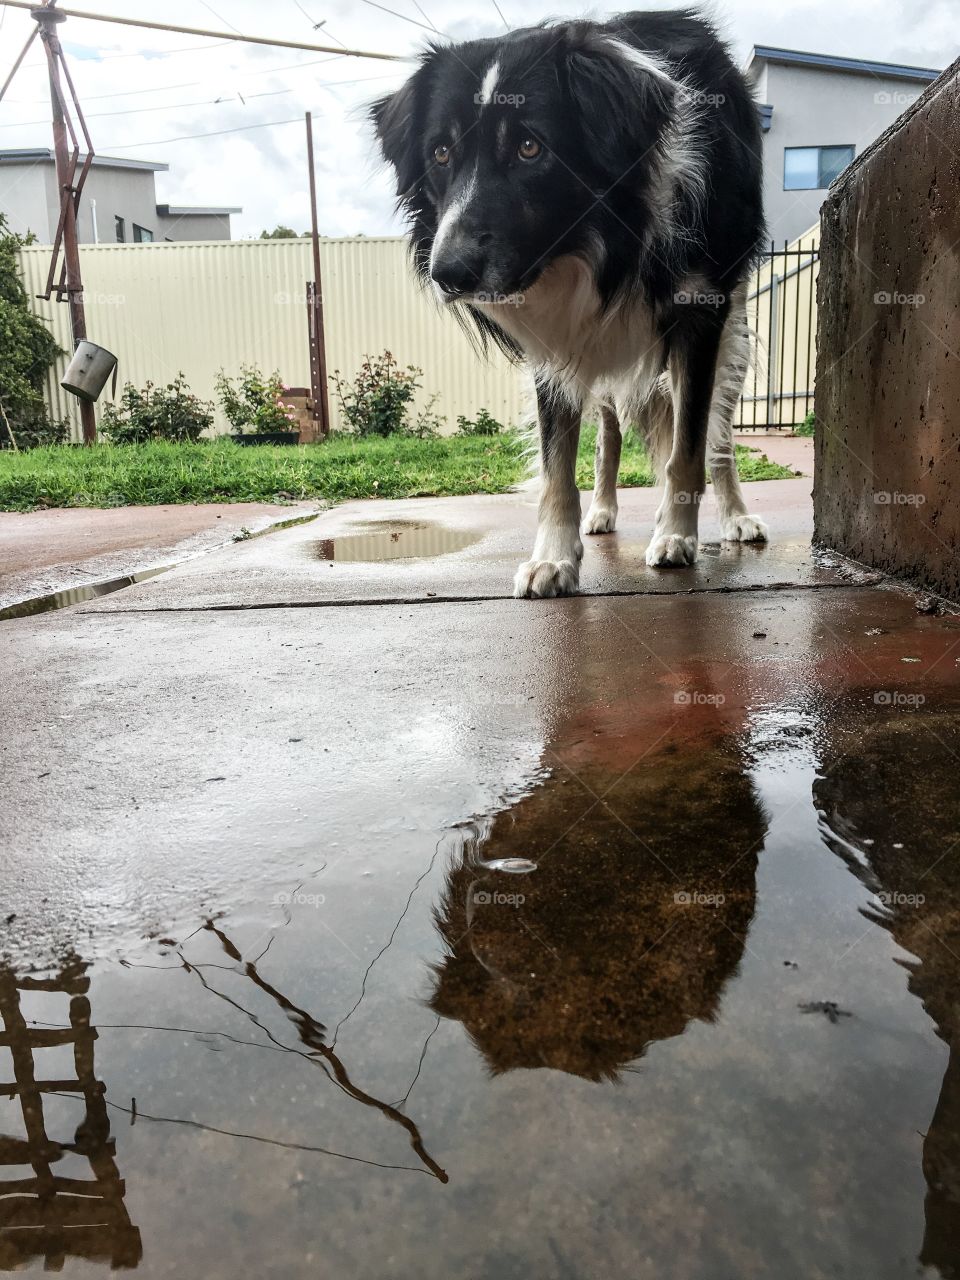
x=202 y=306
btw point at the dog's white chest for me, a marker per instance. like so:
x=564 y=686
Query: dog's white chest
x=559 y=325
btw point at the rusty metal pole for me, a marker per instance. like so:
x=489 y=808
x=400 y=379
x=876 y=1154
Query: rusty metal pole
x=320 y=390
x=47 y=20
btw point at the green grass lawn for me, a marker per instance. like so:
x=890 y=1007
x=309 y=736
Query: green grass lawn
x=222 y=471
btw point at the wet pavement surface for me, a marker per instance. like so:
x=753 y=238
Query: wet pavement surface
x=617 y=935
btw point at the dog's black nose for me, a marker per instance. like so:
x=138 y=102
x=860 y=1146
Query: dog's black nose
x=458 y=270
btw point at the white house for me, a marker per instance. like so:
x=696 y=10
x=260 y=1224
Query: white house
x=817 y=112
x=118 y=202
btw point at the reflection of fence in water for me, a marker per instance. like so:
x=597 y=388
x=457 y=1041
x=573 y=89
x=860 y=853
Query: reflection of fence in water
x=400 y=543
x=47 y=1215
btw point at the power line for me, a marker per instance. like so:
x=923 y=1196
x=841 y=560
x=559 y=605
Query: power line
x=207 y=102
x=402 y=16
x=141 y=53
x=500 y=11
x=317 y=25
x=136 y=111
x=215 y=35
x=188 y=137
x=190 y=84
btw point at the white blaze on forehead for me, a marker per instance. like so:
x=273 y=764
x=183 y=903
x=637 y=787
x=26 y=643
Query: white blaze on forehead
x=489 y=85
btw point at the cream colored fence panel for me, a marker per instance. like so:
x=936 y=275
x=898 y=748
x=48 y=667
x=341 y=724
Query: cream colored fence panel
x=199 y=307
x=202 y=306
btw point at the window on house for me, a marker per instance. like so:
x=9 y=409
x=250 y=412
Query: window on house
x=120 y=227
x=141 y=235
x=814 y=168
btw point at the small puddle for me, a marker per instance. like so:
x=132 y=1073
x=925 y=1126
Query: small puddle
x=77 y=595
x=396 y=540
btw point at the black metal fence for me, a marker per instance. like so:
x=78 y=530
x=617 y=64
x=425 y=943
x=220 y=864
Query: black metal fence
x=782 y=312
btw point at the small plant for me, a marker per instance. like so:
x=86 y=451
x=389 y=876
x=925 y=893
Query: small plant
x=484 y=424
x=378 y=403
x=254 y=402
x=806 y=427
x=171 y=412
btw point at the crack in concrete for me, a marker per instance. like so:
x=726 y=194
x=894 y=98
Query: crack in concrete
x=870 y=581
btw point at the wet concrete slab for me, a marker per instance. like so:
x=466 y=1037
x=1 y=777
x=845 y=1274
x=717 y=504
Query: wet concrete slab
x=440 y=549
x=68 y=549
x=612 y=935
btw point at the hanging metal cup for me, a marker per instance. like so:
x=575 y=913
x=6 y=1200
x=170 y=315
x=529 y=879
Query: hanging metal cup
x=88 y=371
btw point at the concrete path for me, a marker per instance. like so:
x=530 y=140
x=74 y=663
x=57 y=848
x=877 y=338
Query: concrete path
x=431 y=924
x=47 y=551
x=795 y=452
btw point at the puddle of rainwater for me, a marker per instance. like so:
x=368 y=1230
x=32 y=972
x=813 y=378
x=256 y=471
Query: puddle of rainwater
x=77 y=595
x=395 y=541
x=439 y=1069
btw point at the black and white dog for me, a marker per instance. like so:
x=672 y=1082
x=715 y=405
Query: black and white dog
x=589 y=195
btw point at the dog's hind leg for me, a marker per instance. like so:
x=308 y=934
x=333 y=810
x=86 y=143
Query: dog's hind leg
x=554 y=568
x=733 y=363
x=602 y=516
x=692 y=364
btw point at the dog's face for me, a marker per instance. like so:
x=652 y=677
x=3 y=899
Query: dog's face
x=503 y=147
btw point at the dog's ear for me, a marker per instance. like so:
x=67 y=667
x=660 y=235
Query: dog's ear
x=395 y=120
x=622 y=96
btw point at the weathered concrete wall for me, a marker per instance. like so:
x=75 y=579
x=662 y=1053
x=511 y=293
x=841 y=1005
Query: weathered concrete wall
x=887 y=487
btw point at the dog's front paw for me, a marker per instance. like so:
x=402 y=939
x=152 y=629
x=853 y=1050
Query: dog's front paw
x=671 y=549
x=543 y=579
x=744 y=529
x=600 y=520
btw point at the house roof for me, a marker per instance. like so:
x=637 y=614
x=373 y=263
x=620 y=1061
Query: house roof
x=39 y=154
x=829 y=62
x=191 y=211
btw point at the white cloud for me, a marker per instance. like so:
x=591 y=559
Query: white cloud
x=264 y=170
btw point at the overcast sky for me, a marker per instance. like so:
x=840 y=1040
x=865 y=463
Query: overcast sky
x=144 y=91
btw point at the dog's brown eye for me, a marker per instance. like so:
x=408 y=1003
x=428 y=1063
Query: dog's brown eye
x=442 y=154
x=528 y=149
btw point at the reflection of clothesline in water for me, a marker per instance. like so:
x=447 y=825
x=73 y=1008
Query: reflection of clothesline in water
x=137 y=1114
x=311 y=1033
x=383 y=950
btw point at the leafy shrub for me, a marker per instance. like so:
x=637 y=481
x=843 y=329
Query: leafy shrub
x=378 y=402
x=806 y=427
x=28 y=350
x=255 y=404
x=171 y=412
x=483 y=425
